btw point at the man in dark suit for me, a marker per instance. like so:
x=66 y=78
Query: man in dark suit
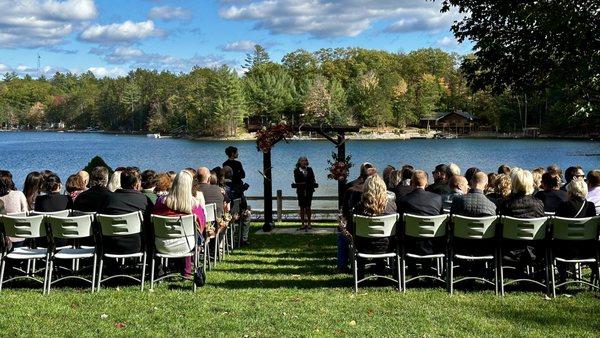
x=95 y=198
x=123 y=201
x=474 y=203
x=440 y=184
x=212 y=193
x=422 y=203
x=404 y=187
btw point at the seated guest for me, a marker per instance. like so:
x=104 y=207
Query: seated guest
x=451 y=170
x=555 y=169
x=115 y=181
x=440 y=184
x=361 y=177
x=570 y=174
x=470 y=173
x=148 y=184
x=354 y=190
x=85 y=176
x=404 y=187
x=219 y=175
x=75 y=186
x=163 y=184
x=593 y=181
x=551 y=195
x=419 y=201
x=489 y=188
x=474 y=203
x=374 y=202
x=537 y=179
x=125 y=200
x=521 y=204
x=423 y=203
x=13 y=199
x=386 y=176
x=178 y=202
x=503 y=169
x=458 y=186
x=32 y=187
x=212 y=193
x=576 y=206
x=502 y=189
x=52 y=200
x=95 y=198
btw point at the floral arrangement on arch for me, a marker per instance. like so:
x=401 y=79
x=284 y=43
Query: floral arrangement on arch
x=339 y=168
x=267 y=137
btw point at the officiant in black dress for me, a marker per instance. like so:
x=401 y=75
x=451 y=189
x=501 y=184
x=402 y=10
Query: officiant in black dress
x=305 y=185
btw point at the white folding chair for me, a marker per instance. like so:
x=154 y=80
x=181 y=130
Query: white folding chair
x=26 y=227
x=121 y=225
x=210 y=214
x=72 y=228
x=422 y=228
x=177 y=230
x=574 y=231
x=375 y=227
x=472 y=229
x=524 y=230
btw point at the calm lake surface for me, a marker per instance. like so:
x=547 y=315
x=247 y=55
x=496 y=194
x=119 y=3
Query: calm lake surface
x=66 y=153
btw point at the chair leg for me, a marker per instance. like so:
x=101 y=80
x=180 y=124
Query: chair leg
x=49 y=283
x=403 y=272
x=355 y=272
x=100 y=274
x=216 y=249
x=2 y=264
x=143 y=271
x=152 y=273
x=451 y=273
x=552 y=266
x=501 y=272
x=398 y=273
x=549 y=288
x=46 y=284
x=94 y=272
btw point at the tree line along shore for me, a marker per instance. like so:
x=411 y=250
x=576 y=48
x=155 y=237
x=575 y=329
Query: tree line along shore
x=387 y=93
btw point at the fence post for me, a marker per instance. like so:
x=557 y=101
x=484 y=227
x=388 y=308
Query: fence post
x=279 y=205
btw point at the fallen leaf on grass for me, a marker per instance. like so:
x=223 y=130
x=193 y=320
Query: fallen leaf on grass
x=119 y=325
x=370 y=312
x=547 y=298
x=352 y=323
x=104 y=316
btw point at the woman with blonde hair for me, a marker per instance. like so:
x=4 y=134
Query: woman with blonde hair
x=521 y=202
x=374 y=202
x=179 y=201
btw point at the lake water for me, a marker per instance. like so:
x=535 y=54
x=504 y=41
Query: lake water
x=66 y=153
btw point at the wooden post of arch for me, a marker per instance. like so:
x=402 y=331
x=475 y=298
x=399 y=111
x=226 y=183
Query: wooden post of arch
x=268 y=192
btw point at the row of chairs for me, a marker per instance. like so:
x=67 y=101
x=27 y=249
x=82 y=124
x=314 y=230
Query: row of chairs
x=495 y=229
x=44 y=230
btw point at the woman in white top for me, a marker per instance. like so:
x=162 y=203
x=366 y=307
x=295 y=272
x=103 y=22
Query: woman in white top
x=14 y=201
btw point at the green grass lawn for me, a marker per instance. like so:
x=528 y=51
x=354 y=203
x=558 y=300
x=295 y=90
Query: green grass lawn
x=286 y=285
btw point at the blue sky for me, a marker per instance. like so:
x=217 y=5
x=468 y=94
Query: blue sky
x=111 y=37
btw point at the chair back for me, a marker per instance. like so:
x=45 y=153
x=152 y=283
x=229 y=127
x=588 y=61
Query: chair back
x=170 y=227
x=375 y=226
x=70 y=227
x=24 y=226
x=524 y=229
x=61 y=213
x=119 y=225
x=474 y=227
x=575 y=229
x=84 y=213
x=17 y=214
x=210 y=211
x=425 y=226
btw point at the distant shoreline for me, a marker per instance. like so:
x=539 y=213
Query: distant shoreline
x=363 y=135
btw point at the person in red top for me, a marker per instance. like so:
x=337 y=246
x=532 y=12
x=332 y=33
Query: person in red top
x=180 y=201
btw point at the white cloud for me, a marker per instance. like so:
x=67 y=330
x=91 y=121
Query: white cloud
x=22 y=70
x=447 y=42
x=127 y=31
x=328 y=18
x=239 y=46
x=136 y=58
x=36 y=23
x=108 y=71
x=167 y=13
